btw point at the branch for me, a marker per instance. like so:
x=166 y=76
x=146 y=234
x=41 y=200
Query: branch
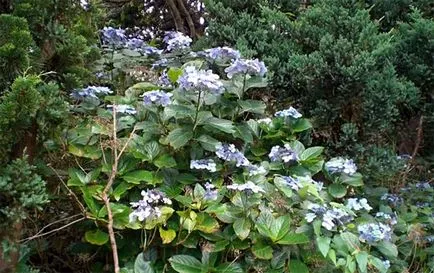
x=176 y=16
x=38 y=235
x=188 y=18
x=106 y=198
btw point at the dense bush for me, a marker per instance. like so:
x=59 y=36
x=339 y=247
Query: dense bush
x=209 y=183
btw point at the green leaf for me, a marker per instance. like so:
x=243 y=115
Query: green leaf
x=256 y=82
x=135 y=177
x=89 y=200
x=229 y=268
x=292 y=238
x=223 y=125
x=362 y=261
x=76 y=177
x=86 y=151
x=388 y=249
x=120 y=189
x=167 y=236
x=206 y=223
x=355 y=180
x=252 y=106
x=179 y=111
x=337 y=190
x=262 y=251
x=242 y=228
x=185 y=264
x=96 y=237
x=243 y=132
x=174 y=73
x=301 y=125
x=152 y=149
x=281 y=184
x=179 y=137
x=142 y=266
x=323 y=245
x=350 y=240
x=207 y=142
x=311 y=153
x=203 y=117
x=378 y=263
x=296 y=266
x=165 y=161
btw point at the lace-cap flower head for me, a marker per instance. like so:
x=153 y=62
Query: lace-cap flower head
x=203 y=164
x=358 y=204
x=149 y=206
x=341 y=165
x=374 y=232
x=228 y=152
x=330 y=218
x=249 y=186
x=211 y=193
x=113 y=36
x=176 y=40
x=222 y=54
x=243 y=67
x=157 y=97
x=285 y=154
x=123 y=109
x=91 y=91
x=290 y=112
x=200 y=80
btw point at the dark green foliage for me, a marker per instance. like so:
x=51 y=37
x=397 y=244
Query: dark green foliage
x=15 y=44
x=65 y=33
x=30 y=107
x=20 y=190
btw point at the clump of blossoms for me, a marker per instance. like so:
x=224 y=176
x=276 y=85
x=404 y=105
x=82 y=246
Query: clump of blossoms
x=374 y=232
x=211 y=193
x=330 y=218
x=228 y=152
x=393 y=199
x=160 y=63
x=222 y=54
x=200 y=80
x=149 y=206
x=244 y=67
x=296 y=183
x=91 y=91
x=387 y=217
x=113 y=36
x=176 y=40
x=123 y=108
x=256 y=170
x=266 y=121
x=290 y=112
x=249 y=186
x=203 y=164
x=341 y=165
x=164 y=80
x=358 y=204
x=157 y=98
x=285 y=154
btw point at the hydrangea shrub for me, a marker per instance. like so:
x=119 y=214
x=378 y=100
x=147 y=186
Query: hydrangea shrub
x=211 y=183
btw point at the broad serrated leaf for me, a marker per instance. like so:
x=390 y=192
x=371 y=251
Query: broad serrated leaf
x=185 y=264
x=142 y=266
x=296 y=266
x=135 y=177
x=242 y=228
x=180 y=136
x=323 y=245
x=223 y=125
x=252 y=106
x=262 y=251
x=337 y=190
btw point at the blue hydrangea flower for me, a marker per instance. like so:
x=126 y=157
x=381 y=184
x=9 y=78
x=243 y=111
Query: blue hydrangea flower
x=373 y=232
x=200 y=80
x=91 y=91
x=123 y=108
x=266 y=121
x=249 y=186
x=157 y=97
x=161 y=63
x=256 y=170
x=388 y=218
x=423 y=186
x=358 y=204
x=393 y=199
x=203 y=164
x=149 y=206
x=151 y=51
x=341 y=165
x=242 y=66
x=430 y=239
x=164 y=80
x=330 y=217
x=176 y=40
x=135 y=43
x=211 y=193
x=113 y=36
x=290 y=112
x=386 y=264
x=228 y=152
x=222 y=54
x=285 y=154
